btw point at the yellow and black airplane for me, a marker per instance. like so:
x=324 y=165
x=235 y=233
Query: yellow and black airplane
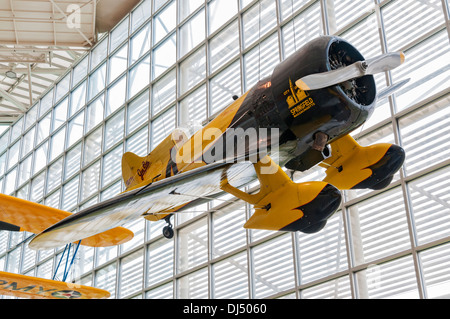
x=298 y=117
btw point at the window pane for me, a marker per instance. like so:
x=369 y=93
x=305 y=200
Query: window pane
x=25 y=170
x=334 y=289
x=27 y=142
x=31 y=116
x=138 y=142
x=94 y=113
x=139 y=77
x=392 y=280
x=57 y=143
x=54 y=175
x=97 y=81
x=194 y=286
x=75 y=131
x=10 y=181
x=78 y=98
x=114 y=130
x=435 y=263
x=260 y=61
x=427 y=67
x=105 y=278
x=112 y=168
x=164 y=22
x=407 y=20
x=118 y=63
x=161 y=292
x=192 y=71
x=99 y=53
x=16 y=129
x=424 y=135
x=160 y=261
x=46 y=103
x=116 y=96
x=138 y=112
x=258 y=20
x=224 y=86
x=140 y=14
x=118 y=35
x=379 y=226
x=43 y=129
x=220 y=11
x=193 y=245
x=70 y=194
x=342 y=12
x=162 y=127
x=187 y=7
x=228 y=232
x=90 y=180
x=192 y=33
x=224 y=46
x=193 y=108
x=323 y=253
x=163 y=92
x=60 y=114
x=306 y=25
x=80 y=71
x=140 y=44
x=288 y=7
x=62 y=87
x=164 y=56
x=13 y=154
x=429 y=201
x=231 y=278
x=92 y=146
x=131 y=273
x=40 y=157
x=111 y=191
x=73 y=161
x=269 y=258
x=37 y=187
x=53 y=200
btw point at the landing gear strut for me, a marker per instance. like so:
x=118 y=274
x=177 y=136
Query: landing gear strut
x=168 y=230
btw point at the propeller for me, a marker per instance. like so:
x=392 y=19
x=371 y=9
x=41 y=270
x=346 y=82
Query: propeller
x=391 y=89
x=372 y=66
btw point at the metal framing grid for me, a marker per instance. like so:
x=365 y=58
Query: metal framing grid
x=296 y=288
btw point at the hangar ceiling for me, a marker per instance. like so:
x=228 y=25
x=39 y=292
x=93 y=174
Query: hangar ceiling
x=41 y=39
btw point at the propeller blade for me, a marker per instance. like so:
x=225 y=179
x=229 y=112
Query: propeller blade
x=391 y=89
x=372 y=66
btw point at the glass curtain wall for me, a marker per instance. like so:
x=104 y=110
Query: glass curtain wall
x=177 y=63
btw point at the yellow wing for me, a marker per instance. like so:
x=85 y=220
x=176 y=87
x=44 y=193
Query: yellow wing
x=35 y=218
x=38 y=288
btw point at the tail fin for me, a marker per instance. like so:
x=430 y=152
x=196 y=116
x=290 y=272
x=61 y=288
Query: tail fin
x=134 y=169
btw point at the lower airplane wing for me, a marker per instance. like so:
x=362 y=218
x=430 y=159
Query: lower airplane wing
x=34 y=218
x=151 y=199
x=38 y=288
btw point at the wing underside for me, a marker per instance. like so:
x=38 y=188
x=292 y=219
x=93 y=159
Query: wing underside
x=160 y=196
x=22 y=215
x=39 y=288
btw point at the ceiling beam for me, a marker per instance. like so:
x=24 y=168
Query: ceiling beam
x=13 y=100
x=54 y=71
x=65 y=15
